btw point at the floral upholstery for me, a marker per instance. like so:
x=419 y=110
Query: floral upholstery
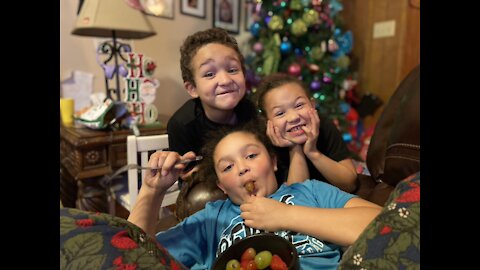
x=101 y=241
x=392 y=240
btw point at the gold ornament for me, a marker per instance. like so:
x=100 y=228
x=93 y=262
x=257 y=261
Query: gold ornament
x=275 y=23
x=310 y=17
x=299 y=27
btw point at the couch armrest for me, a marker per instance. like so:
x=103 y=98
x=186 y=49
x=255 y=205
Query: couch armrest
x=365 y=185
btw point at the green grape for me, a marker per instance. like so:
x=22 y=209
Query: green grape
x=263 y=259
x=233 y=264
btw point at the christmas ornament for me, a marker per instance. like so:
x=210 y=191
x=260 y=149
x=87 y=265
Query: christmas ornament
x=345 y=42
x=276 y=23
x=315 y=85
x=305 y=3
x=317 y=53
x=285 y=46
x=295 y=5
x=255 y=29
x=310 y=17
x=332 y=45
x=298 y=52
x=299 y=27
x=313 y=68
x=335 y=7
x=327 y=77
x=258 y=47
x=343 y=61
x=294 y=69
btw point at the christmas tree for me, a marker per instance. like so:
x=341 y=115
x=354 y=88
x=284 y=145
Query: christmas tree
x=304 y=38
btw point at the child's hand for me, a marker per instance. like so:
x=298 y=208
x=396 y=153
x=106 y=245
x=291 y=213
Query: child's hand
x=263 y=213
x=190 y=167
x=275 y=136
x=310 y=145
x=169 y=168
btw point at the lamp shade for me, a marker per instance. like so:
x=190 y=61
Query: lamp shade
x=98 y=18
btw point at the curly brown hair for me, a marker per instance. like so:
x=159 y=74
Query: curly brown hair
x=271 y=82
x=255 y=127
x=194 y=42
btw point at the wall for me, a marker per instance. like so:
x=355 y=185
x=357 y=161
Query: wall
x=383 y=62
x=78 y=52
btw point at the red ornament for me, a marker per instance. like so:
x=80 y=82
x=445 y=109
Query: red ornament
x=294 y=69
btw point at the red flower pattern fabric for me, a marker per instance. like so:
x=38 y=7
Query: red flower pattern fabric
x=392 y=239
x=101 y=241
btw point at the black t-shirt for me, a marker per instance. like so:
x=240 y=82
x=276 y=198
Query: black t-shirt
x=329 y=143
x=189 y=125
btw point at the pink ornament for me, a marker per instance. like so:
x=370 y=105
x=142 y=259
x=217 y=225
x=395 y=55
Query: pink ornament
x=332 y=45
x=258 y=47
x=294 y=69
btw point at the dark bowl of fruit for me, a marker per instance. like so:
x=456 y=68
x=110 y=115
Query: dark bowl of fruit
x=259 y=251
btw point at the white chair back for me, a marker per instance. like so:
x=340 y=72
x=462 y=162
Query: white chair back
x=143 y=146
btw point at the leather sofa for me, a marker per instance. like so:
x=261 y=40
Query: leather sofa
x=392 y=239
x=394 y=150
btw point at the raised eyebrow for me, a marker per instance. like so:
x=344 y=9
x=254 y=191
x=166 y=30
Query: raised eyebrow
x=206 y=62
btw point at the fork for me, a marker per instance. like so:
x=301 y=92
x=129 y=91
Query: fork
x=138 y=167
x=184 y=161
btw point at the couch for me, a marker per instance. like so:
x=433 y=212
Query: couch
x=392 y=239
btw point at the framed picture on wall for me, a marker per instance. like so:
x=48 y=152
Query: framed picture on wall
x=160 y=8
x=196 y=8
x=249 y=11
x=226 y=15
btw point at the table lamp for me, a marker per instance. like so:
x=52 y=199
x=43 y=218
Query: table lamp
x=115 y=19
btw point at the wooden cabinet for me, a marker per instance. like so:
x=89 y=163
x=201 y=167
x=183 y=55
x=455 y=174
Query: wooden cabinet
x=383 y=62
x=85 y=156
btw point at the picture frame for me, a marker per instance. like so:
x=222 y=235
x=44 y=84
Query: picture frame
x=249 y=11
x=226 y=15
x=159 y=8
x=195 y=8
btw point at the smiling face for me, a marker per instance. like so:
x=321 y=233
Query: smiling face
x=287 y=107
x=241 y=159
x=219 y=79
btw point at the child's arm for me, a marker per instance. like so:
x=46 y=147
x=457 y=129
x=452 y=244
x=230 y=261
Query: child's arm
x=341 y=174
x=154 y=186
x=341 y=226
x=298 y=169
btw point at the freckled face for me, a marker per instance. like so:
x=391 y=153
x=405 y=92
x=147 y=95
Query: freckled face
x=287 y=107
x=220 y=82
x=240 y=158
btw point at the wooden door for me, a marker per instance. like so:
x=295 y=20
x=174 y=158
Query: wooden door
x=382 y=62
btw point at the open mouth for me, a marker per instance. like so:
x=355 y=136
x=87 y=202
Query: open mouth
x=296 y=130
x=250 y=187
